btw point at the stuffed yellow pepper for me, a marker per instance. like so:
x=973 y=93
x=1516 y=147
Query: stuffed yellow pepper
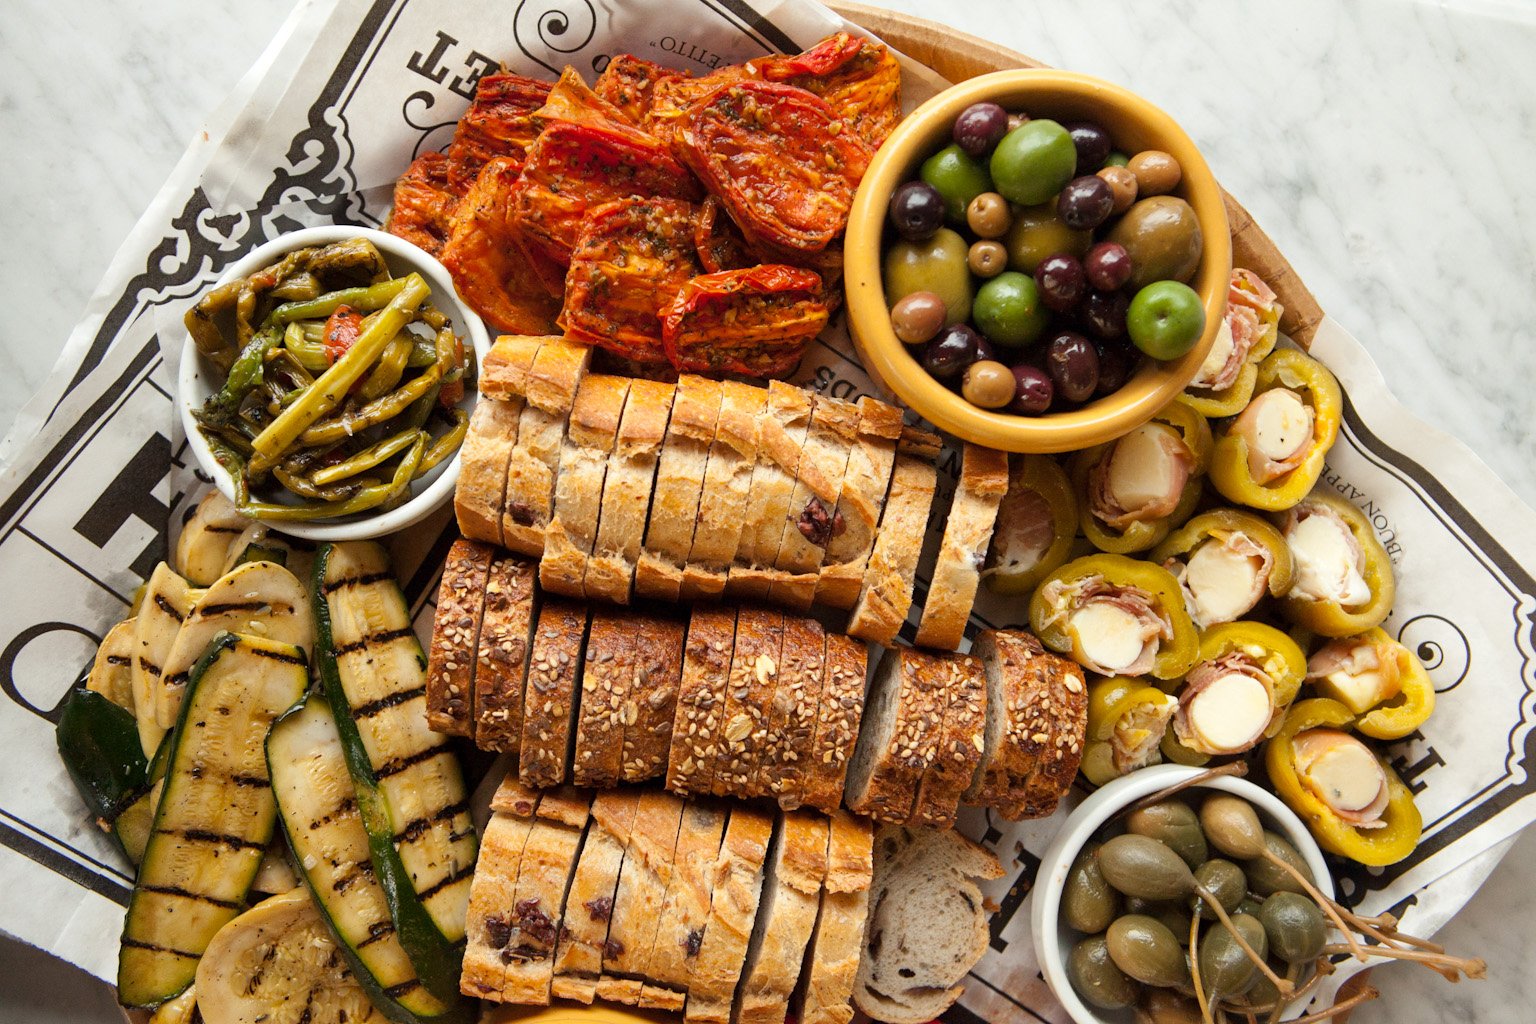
x=1126 y=722
x=1115 y=616
x=1036 y=524
x=1343 y=582
x=1236 y=694
x=1224 y=383
x=1132 y=491
x=1378 y=679
x=1349 y=796
x=1273 y=452
x=1225 y=562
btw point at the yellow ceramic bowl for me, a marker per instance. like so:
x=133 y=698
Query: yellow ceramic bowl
x=1135 y=125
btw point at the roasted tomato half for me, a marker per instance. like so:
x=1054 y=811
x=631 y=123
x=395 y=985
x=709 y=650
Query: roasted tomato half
x=629 y=83
x=779 y=160
x=498 y=123
x=632 y=259
x=718 y=240
x=423 y=210
x=755 y=321
x=859 y=79
x=672 y=98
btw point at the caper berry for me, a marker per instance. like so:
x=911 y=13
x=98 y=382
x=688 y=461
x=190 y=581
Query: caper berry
x=1251 y=905
x=1226 y=884
x=1161 y=1006
x=1294 y=926
x=1144 y=948
x=1225 y=969
x=1088 y=903
x=1095 y=977
x=1265 y=877
x=1262 y=992
x=1232 y=826
x=1172 y=823
x=1139 y=866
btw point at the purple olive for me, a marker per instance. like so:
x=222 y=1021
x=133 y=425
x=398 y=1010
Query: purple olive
x=1061 y=281
x=917 y=210
x=956 y=347
x=1033 y=390
x=1104 y=314
x=1085 y=202
x=979 y=127
x=1115 y=366
x=1093 y=145
x=1108 y=266
x=1073 y=365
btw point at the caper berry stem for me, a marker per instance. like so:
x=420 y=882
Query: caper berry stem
x=1474 y=967
x=1194 y=969
x=1387 y=923
x=1365 y=995
x=1292 y=974
x=1280 y=983
x=1326 y=905
x=1235 y=769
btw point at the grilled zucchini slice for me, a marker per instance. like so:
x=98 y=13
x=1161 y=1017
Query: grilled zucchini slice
x=112 y=671
x=166 y=601
x=99 y=744
x=215 y=817
x=209 y=539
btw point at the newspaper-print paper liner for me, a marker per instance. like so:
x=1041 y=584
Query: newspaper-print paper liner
x=346 y=94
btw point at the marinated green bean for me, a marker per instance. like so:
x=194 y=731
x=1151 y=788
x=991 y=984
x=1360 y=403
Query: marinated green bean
x=368 y=298
x=362 y=501
x=372 y=414
x=391 y=365
x=445 y=446
x=365 y=459
x=309 y=352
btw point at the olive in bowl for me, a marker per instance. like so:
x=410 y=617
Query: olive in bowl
x=1025 y=253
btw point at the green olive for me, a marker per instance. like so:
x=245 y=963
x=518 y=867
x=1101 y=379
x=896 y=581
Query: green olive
x=1266 y=878
x=959 y=177
x=1296 y=928
x=1088 y=903
x=1037 y=233
x=1161 y=1006
x=1033 y=162
x=936 y=264
x=1144 y=948
x=1225 y=969
x=1172 y=823
x=1225 y=882
x=1138 y=866
x=1163 y=237
x=1095 y=977
x=1232 y=826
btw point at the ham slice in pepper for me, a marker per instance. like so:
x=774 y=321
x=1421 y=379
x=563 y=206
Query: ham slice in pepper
x=1140 y=477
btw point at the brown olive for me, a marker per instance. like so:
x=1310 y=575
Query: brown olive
x=1162 y=236
x=987 y=258
x=988 y=383
x=988 y=215
x=1095 y=977
x=1037 y=233
x=1172 y=823
x=1232 y=826
x=1157 y=173
x=916 y=318
x=1122 y=185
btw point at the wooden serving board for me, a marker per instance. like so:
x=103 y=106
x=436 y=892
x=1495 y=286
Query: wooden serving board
x=957 y=56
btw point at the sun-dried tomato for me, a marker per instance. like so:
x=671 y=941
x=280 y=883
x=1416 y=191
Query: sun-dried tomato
x=629 y=82
x=755 y=321
x=633 y=257
x=859 y=79
x=718 y=240
x=424 y=204
x=499 y=122
x=672 y=98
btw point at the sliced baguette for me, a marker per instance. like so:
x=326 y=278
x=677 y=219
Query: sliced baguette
x=866 y=480
x=651 y=705
x=480 y=497
x=686 y=910
x=792 y=884
x=901 y=735
x=552 y=382
x=967 y=535
x=455 y=636
x=736 y=885
x=781 y=438
x=492 y=893
x=839 y=714
x=637 y=903
x=962 y=740
x=553 y=696
x=812 y=517
x=701 y=699
x=505 y=368
x=627 y=491
x=680 y=475
x=742 y=737
x=579 y=956
x=792 y=713
x=502 y=648
x=837 y=944
x=543 y=880
x=606 y=679
x=588 y=445
x=724 y=494
x=889 y=577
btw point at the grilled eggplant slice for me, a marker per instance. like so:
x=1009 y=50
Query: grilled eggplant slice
x=215 y=816
x=167 y=600
x=318 y=806
x=277 y=964
x=99 y=744
x=409 y=786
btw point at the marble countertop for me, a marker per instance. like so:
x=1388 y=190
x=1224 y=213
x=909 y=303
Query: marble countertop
x=1386 y=146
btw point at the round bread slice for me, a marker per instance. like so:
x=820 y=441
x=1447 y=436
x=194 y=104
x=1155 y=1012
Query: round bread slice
x=701 y=699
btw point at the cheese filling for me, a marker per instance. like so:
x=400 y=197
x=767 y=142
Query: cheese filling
x=1223 y=583
x=1343 y=773
x=1229 y=713
x=1107 y=636
x=1327 y=559
x=1357 y=674
x=1278 y=427
x=1216 y=361
x=1145 y=469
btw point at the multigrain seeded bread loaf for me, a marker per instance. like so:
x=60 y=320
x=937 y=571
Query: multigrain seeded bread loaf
x=608 y=674
x=481 y=494
x=501 y=652
x=961 y=743
x=967 y=534
x=838 y=717
x=579 y=956
x=927 y=923
x=736 y=889
x=792 y=883
x=552 y=695
x=832 y=960
x=627 y=491
x=589 y=440
x=867 y=478
x=792 y=715
x=652 y=701
x=455 y=632
x=701 y=698
x=742 y=738
x=900 y=738
x=891 y=573
x=724 y=493
x=679 y=482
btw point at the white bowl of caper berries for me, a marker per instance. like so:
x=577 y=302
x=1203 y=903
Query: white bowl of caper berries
x=1136 y=879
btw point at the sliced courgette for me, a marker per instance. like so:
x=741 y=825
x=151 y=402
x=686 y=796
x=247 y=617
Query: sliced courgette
x=215 y=816
x=112 y=671
x=276 y=873
x=258 y=598
x=317 y=803
x=277 y=964
x=167 y=600
x=181 y=1010
x=209 y=539
x=409 y=786
x=99 y=744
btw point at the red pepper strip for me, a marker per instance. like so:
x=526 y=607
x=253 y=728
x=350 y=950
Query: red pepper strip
x=341 y=330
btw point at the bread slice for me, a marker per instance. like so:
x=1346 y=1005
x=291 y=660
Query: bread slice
x=838 y=716
x=679 y=484
x=627 y=491
x=837 y=944
x=544 y=878
x=1064 y=705
x=792 y=712
x=886 y=596
x=866 y=480
x=735 y=891
x=961 y=743
x=780 y=440
x=701 y=698
x=504 y=370
x=812 y=517
x=455 y=634
x=651 y=705
x=480 y=496
x=606 y=678
x=792 y=884
x=637 y=903
x=742 y=737
x=584 y=455
x=967 y=535
x=552 y=382
x=901 y=734
x=501 y=659
x=724 y=494
x=552 y=698
x=686 y=910
x=492 y=892
x=579 y=956
x=927 y=924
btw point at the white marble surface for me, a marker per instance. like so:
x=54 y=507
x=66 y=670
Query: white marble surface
x=1386 y=145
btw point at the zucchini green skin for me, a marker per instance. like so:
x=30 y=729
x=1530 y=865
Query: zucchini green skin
x=262 y=553
x=99 y=744
x=215 y=817
x=316 y=802
x=436 y=951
